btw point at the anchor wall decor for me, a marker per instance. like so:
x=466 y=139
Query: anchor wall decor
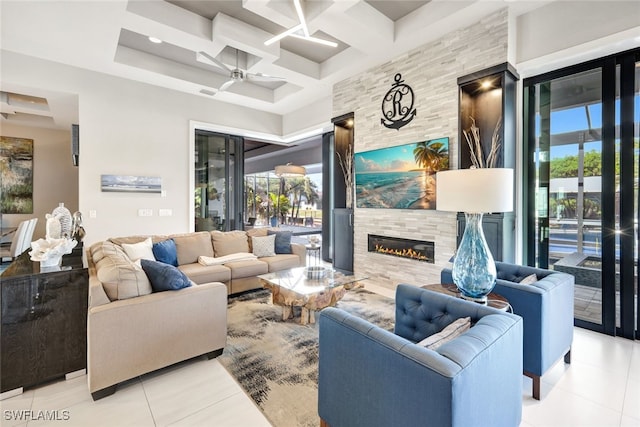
x=397 y=105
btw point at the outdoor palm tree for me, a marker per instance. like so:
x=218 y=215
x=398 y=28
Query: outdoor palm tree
x=299 y=188
x=431 y=155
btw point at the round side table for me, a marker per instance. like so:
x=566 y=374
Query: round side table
x=493 y=300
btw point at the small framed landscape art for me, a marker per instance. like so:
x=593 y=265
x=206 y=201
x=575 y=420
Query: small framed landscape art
x=131 y=184
x=400 y=177
x=16 y=175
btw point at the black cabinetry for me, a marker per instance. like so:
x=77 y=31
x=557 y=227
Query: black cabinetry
x=488 y=99
x=44 y=322
x=343 y=239
x=499 y=229
x=338 y=196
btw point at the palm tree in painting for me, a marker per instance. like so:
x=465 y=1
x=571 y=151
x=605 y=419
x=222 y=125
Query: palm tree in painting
x=432 y=155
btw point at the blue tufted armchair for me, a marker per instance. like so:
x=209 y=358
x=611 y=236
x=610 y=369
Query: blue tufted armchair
x=370 y=377
x=546 y=307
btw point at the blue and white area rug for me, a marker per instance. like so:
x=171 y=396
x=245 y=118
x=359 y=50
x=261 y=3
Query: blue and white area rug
x=276 y=362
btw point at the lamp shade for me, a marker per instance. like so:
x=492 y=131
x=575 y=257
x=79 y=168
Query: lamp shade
x=290 y=170
x=481 y=190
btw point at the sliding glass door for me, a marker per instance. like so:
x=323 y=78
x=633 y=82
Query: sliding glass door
x=218 y=194
x=581 y=143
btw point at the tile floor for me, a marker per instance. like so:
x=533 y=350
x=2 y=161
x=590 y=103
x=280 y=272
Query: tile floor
x=601 y=387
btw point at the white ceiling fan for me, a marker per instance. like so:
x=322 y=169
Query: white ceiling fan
x=236 y=75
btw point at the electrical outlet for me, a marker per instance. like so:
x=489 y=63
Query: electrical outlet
x=93 y=213
x=145 y=212
x=165 y=212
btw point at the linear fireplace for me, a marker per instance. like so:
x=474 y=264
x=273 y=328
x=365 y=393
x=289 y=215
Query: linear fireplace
x=419 y=250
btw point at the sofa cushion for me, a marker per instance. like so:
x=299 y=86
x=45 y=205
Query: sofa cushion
x=283 y=241
x=140 y=250
x=121 y=278
x=281 y=262
x=241 y=269
x=164 y=277
x=451 y=331
x=264 y=246
x=204 y=274
x=136 y=239
x=229 y=242
x=190 y=246
x=165 y=252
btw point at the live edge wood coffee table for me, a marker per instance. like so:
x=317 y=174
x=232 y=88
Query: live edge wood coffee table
x=298 y=287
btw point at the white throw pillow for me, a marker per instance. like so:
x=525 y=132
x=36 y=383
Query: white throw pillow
x=140 y=250
x=264 y=246
x=452 y=331
x=530 y=279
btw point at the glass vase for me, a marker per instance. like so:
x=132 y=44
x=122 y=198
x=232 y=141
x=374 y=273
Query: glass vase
x=64 y=216
x=474 y=271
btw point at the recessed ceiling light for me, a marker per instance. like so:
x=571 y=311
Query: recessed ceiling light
x=154 y=39
x=486 y=84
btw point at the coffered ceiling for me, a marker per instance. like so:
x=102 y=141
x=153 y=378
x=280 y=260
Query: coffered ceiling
x=113 y=37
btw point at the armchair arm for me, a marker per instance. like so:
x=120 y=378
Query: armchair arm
x=370 y=377
x=301 y=251
x=546 y=307
x=131 y=337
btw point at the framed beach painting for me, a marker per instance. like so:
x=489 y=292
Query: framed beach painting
x=131 y=184
x=16 y=175
x=400 y=177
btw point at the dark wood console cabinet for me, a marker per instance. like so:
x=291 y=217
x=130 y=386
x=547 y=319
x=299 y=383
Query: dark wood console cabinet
x=44 y=322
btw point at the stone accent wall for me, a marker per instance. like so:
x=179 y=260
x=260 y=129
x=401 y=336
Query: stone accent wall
x=431 y=71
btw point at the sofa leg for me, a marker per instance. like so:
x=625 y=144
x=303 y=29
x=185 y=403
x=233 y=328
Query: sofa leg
x=323 y=423
x=215 y=353
x=567 y=357
x=536 y=384
x=108 y=391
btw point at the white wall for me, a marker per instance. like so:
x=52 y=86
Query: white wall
x=564 y=33
x=131 y=128
x=55 y=179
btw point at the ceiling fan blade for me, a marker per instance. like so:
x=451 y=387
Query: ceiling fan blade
x=226 y=85
x=208 y=59
x=264 y=78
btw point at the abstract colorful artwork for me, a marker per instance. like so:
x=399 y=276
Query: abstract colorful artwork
x=16 y=175
x=400 y=177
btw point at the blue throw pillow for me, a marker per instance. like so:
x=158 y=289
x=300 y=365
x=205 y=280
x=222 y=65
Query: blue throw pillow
x=283 y=241
x=165 y=252
x=164 y=277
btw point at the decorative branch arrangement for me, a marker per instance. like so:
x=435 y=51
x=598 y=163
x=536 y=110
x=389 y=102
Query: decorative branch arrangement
x=346 y=164
x=475 y=146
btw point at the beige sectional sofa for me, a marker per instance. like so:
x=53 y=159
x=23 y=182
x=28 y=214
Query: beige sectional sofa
x=132 y=330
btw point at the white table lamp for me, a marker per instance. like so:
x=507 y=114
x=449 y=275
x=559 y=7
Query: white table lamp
x=474 y=192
